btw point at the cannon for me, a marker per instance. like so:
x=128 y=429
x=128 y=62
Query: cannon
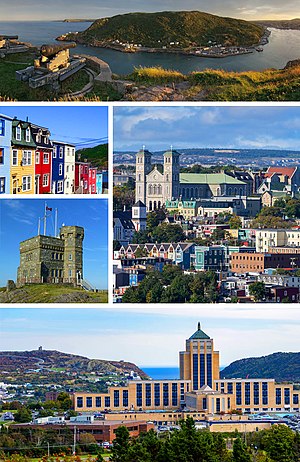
x=52 y=50
x=9 y=37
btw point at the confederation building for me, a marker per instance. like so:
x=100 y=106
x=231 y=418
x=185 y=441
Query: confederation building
x=199 y=389
x=48 y=259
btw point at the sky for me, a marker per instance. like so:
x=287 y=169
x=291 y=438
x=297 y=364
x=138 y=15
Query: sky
x=58 y=9
x=19 y=221
x=244 y=127
x=152 y=336
x=79 y=125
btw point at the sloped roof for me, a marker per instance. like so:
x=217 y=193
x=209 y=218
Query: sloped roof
x=208 y=178
x=199 y=334
x=288 y=171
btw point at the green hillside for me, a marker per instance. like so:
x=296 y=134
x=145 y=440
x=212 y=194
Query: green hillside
x=189 y=28
x=279 y=366
x=52 y=293
x=98 y=155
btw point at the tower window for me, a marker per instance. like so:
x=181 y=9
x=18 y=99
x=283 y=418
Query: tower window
x=70 y=256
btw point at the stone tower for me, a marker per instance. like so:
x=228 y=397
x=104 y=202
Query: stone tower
x=72 y=236
x=171 y=174
x=143 y=167
x=199 y=362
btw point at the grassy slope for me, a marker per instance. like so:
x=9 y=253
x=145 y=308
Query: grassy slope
x=218 y=85
x=185 y=27
x=97 y=155
x=51 y=293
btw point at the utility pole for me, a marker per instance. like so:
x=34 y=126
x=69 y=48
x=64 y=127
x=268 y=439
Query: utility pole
x=74 y=441
x=48 y=446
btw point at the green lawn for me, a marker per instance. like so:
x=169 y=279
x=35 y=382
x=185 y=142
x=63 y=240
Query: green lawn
x=52 y=293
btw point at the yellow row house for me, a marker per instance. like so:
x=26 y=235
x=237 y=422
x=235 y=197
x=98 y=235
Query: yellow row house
x=22 y=158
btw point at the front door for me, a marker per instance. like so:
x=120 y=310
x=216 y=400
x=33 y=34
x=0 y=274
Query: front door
x=37 y=184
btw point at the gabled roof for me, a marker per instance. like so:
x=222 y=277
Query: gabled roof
x=199 y=334
x=288 y=171
x=139 y=204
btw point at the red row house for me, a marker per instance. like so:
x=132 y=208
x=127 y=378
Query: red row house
x=85 y=178
x=92 y=180
x=43 y=159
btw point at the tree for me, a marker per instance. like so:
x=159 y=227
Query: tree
x=257 y=290
x=23 y=415
x=239 y=452
x=168 y=233
x=121 y=445
x=155 y=218
x=141 y=237
x=292 y=208
x=64 y=401
x=279 y=443
x=235 y=222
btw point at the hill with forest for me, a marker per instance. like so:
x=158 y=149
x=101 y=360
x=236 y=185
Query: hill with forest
x=283 y=367
x=97 y=155
x=159 y=30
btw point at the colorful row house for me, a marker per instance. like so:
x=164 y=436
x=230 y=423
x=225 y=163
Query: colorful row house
x=30 y=163
x=5 y=149
x=23 y=146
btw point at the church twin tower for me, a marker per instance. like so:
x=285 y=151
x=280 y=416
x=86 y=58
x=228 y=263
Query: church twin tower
x=156 y=183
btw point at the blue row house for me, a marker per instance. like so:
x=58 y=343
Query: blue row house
x=58 y=167
x=5 y=153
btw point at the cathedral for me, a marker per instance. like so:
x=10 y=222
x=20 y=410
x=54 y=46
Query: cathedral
x=157 y=183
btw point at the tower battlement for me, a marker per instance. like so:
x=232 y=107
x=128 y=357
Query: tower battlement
x=53 y=260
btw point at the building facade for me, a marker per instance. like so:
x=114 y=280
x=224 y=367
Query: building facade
x=43 y=159
x=5 y=153
x=58 y=168
x=156 y=184
x=69 y=185
x=198 y=389
x=22 y=158
x=47 y=259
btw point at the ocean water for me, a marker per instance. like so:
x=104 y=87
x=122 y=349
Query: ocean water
x=283 y=46
x=162 y=373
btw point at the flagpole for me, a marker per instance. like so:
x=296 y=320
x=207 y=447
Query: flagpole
x=55 y=223
x=39 y=226
x=45 y=219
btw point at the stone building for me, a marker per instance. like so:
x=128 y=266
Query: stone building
x=156 y=183
x=47 y=259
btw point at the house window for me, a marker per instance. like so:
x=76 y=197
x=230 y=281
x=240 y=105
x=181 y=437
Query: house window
x=45 y=180
x=61 y=152
x=15 y=157
x=37 y=157
x=26 y=183
x=1 y=156
x=85 y=184
x=26 y=158
x=54 y=152
x=2 y=127
x=2 y=185
x=46 y=140
x=60 y=169
x=18 y=133
x=70 y=273
x=46 y=158
x=60 y=186
x=27 y=135
x=67 y=169
x=93 y=188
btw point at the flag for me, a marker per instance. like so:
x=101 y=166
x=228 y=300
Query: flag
x=48 y=208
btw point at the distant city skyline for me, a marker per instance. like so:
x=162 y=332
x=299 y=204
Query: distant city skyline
x=84 y=126
x=234 y=127
x=94 y=9
x=152 y=337
x=19 y=221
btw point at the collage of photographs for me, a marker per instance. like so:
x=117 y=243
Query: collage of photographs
x=149 y=231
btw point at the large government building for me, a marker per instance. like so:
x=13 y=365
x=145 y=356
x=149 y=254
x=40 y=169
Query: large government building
x=199 y=389
x=156 y=183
